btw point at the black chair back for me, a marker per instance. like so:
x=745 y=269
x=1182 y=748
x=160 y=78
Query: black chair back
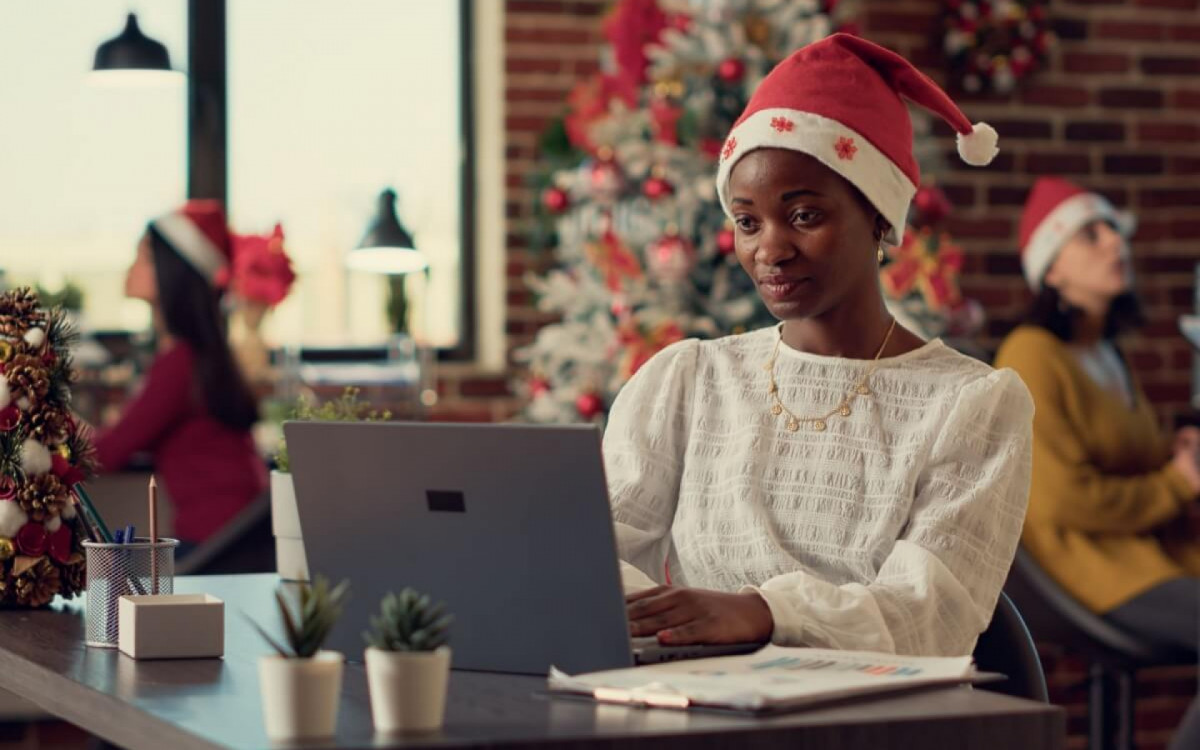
x=1006 y=647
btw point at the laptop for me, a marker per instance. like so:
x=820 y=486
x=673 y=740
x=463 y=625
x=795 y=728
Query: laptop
x=509 y=525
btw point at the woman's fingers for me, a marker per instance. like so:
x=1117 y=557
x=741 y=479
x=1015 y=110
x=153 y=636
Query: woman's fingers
x=650 y=615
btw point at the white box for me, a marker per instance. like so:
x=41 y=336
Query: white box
x=172 y=626
x=290 y=561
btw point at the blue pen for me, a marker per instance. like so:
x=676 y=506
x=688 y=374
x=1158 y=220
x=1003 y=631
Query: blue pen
x=119 y=537
x=130 y=538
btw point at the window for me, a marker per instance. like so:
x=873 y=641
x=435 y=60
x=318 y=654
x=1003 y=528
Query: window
x=84 y=167
x=330 y=102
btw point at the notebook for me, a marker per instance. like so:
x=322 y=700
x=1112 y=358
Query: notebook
x=774 y=679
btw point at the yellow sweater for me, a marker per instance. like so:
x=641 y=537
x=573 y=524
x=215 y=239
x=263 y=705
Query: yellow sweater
x=1104 y=495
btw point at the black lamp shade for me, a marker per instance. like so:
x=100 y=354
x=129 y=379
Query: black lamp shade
x=387 y=247
x=131 y=50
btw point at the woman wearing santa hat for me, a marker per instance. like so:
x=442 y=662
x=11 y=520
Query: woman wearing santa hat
x=1111 y=494
x=193 y=412
x=834 y=480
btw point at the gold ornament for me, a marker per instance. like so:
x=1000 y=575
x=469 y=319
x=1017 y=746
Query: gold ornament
x=669 y=88
x=7 y=550
x=758 y=31
x=6 y=351
x=821 y=423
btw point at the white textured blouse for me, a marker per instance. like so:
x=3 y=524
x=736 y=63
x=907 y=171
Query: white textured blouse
x=893 y=530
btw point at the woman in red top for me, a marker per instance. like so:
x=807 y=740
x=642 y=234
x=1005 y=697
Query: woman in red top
x=193 y=412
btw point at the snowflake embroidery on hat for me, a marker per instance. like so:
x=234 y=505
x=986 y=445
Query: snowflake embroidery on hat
x=782 y=124
x=730 y=145
x=845 y=148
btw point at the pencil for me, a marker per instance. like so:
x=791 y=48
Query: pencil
x=153 y=535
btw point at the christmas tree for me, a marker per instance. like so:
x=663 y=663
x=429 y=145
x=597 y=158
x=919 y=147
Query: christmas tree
x=43 y=455
x=645 y=252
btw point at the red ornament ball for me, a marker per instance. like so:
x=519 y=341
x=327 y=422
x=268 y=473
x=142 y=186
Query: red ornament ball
x=605 y=179
x=589 y=405
x=671 y=258
x=725 y=241
x=657 y=188
x=731 y=70
x=556 y=200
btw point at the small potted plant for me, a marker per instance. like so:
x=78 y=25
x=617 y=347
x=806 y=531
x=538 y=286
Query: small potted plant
x=290 y=560
x=408 y=663
x=301 y=684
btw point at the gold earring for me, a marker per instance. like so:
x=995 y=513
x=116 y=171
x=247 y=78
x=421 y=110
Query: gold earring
x=882 y=255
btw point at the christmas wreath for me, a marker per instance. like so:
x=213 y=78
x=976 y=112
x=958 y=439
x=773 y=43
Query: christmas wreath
x=991 y=45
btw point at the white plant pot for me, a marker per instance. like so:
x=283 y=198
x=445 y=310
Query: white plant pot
x=290 y=560
x=408 y=689
x=300 y=697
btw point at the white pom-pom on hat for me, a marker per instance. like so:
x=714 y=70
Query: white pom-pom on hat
x=978 y=147
x=35 y=457
x=12 y=518
x=35 y=337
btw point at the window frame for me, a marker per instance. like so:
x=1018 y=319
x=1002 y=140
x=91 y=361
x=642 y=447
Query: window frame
x=208 y=143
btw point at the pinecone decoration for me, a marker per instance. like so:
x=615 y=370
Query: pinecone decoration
x=42 y=497
x=27 y=378
x=72 y=579
x=37 y=586
x=46 y=423
x=19 y=311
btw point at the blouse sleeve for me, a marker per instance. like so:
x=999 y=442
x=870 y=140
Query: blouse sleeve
x=644 y=445
x=165 y=397
x=937 y=589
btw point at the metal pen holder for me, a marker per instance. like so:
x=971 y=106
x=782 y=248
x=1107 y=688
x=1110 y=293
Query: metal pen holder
x=115 y=570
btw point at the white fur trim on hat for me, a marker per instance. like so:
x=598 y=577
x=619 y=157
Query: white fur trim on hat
x=195 y=246
x=833 y=144
x=1065 y=220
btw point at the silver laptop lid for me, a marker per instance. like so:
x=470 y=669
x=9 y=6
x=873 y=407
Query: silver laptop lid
x=507 y=524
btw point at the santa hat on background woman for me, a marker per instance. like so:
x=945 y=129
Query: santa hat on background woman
x=839 y=101
x=200 y=234
x=1055 y=210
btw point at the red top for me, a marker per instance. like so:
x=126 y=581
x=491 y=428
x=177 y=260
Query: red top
x=209 y=470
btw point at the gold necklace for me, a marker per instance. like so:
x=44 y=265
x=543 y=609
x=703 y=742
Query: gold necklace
x=820 y=424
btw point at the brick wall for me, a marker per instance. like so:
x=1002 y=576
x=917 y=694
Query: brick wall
x=1117 y=109
x=549 y=46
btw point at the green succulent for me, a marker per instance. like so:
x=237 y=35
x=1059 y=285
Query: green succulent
x=409 y=621
x=307 y=617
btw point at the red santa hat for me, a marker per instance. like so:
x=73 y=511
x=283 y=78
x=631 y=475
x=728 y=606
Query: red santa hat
x=839 y=101
x=1055 y=210
x=199 y=233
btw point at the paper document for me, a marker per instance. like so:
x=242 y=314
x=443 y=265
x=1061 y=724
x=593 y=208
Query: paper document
x=774 y=678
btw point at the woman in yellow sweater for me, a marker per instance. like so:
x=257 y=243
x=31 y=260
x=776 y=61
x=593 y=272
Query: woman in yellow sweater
x=1110 y=494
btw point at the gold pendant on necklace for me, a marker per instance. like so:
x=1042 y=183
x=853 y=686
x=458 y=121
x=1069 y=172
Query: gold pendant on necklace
x=776 y=410
x=844 y=410
x=819 y=425
x=793 y=425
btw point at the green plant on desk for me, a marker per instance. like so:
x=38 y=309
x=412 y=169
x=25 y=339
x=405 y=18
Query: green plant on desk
x=308 y=622
x=409 y=621
x=346 y=408
x=408 y=663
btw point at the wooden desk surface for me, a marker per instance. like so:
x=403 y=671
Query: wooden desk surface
x=207 y=704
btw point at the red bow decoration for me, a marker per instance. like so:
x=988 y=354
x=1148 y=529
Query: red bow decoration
x=639 y=345
x=262 y=270
x=614 y=260
x=929 y=265
x=589 y=102
x=67 y=473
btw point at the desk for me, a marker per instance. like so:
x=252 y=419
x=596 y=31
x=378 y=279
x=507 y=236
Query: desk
x=211 y=704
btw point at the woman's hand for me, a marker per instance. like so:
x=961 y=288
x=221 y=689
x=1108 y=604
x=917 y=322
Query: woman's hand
x=1187 y=455
x=682 y=616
